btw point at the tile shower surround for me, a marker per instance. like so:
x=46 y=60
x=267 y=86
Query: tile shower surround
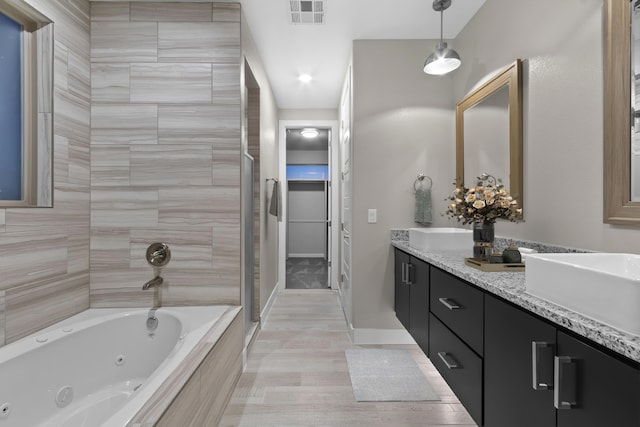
x=165 y=141
x=146 y=147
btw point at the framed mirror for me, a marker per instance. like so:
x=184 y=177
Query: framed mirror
x=621 y=104
x=489 y=131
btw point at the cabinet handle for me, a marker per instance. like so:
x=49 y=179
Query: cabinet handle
x=409 y=268
x=449 y=361
x=542 y=364
x=449 y=303
x=564 y=382
x=404 y=273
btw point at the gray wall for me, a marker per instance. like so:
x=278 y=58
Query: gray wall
x=302 y=114
x=561 y=46
x=403 y=124
x=44 y=253
x=307 y=157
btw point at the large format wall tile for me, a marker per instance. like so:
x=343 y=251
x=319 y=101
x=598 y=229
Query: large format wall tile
x=124 y=124
x=213 y=42
x=25 y=305
x=110 y=82
x=44 y=261
x=165 y=163
x=124 y=41
x=170 y=12
x=171 y=83
x=171 y=165
x=208 y=124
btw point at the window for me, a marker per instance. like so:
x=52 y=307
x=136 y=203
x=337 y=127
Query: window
x=26 y=141
x=308 y=172
x=10 y=109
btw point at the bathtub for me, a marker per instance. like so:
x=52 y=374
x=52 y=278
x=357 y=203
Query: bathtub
x=100 y=367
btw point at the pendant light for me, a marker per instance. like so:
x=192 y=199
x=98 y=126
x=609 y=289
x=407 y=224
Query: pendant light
x=443 y=60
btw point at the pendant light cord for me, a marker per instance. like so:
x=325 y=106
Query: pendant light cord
x=441 y=22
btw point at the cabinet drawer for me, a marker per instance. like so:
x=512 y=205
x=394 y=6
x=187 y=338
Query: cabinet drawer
x=459 y=306
x=460 y=367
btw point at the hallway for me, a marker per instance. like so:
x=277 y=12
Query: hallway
x=297 y=375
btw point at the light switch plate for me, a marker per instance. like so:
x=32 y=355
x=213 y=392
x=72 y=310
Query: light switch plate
x=372 y=216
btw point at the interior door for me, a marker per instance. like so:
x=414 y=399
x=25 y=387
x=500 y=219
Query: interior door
x=345 y=210
x=329 y=213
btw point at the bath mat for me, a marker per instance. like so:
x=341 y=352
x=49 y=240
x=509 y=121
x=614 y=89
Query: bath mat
x=387 y=375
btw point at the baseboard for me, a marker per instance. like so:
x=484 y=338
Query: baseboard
x=306 y=255
x=380 y=336
x=264 y=314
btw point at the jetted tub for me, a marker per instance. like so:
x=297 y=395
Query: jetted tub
x=97 y=368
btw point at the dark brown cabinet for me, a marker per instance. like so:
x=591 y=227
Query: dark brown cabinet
x=531 y=367
x=508 y=366
x=594 y=389
x=509 y=359
x=412 y=297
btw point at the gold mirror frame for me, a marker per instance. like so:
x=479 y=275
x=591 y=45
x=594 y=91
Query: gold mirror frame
x=618 y=207
x=512 y=78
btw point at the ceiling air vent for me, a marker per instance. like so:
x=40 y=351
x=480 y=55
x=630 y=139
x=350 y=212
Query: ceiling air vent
x=307 y=11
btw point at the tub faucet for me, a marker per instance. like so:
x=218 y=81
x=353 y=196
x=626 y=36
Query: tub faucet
x=156 y=281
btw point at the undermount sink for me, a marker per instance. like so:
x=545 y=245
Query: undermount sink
x=602 y=286
x=440 y=239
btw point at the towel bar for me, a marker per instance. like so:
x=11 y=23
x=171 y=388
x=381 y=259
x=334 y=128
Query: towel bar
x=420 y=179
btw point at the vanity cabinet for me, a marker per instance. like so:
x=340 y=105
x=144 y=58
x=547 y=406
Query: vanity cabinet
x=456 y=337
x=508 y=366
x=412 y=297
x=596 y=388
x=510 y=397
x=533 y=368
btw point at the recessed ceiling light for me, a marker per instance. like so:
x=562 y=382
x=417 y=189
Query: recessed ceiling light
x=305 y=78
x=309 y=132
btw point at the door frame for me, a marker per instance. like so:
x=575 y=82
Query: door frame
x=334 y=175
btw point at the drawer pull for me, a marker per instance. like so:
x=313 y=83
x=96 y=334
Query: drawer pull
x=449 y=303
x=542 y=365
x=449 y=361
x=564 y=382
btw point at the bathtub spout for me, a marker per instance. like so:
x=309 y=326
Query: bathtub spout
x=156 y=281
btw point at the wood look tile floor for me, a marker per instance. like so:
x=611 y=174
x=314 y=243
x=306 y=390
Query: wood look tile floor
x=297 y=375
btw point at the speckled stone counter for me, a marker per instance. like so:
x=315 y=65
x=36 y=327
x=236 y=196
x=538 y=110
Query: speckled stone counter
x=510 y=286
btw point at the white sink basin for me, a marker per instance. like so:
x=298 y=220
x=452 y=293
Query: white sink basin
x=440 y=239
x=603 y=286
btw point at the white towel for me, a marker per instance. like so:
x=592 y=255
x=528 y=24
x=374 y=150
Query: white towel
x=275 y=207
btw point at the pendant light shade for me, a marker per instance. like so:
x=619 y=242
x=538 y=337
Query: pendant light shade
x=443 y=60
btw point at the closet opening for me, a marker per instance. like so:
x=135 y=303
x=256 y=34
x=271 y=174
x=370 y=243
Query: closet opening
x=308 y=218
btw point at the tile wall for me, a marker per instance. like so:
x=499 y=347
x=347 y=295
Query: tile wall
x=165 y=150
x=44 y=252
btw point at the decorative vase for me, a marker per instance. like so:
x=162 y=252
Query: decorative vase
x=483 y=235
x=512 y=254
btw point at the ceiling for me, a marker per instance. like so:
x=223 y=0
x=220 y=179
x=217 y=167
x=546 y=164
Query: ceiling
x=322 y=50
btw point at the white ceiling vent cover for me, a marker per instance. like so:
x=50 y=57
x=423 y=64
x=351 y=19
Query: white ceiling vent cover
x=307 y=11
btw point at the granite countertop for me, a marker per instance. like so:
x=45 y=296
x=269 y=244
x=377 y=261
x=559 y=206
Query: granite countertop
x=510 y=286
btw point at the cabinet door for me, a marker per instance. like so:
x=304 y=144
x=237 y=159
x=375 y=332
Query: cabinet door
x=599 y=389
x=419 y=303
x=510 y=398
x=402 y=288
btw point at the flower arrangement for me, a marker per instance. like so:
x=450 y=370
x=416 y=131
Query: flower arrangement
x=486 y=202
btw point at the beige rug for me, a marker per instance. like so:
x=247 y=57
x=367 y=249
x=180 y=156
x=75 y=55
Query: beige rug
x=387 y=375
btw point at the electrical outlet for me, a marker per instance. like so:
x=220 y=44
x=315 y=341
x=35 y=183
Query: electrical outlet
x=372 y=216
